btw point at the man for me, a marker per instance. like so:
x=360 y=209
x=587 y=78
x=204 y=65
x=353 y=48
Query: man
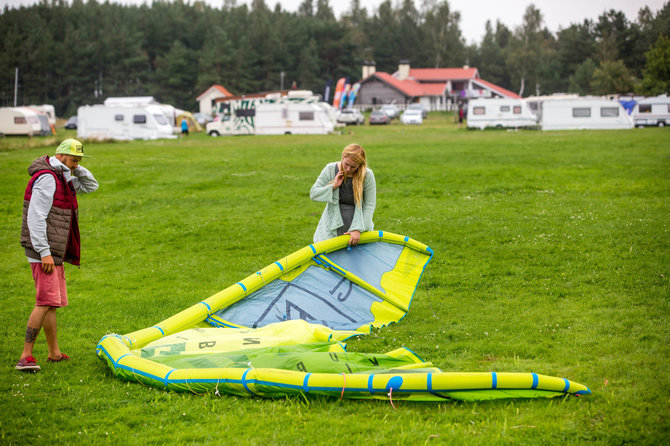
x=50 y=236
x=184 y=127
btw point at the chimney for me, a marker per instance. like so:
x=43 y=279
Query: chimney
x=368 y=68
x=403 y=70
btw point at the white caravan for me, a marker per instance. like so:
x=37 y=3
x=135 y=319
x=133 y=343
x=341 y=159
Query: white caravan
x=142 y=101
x=122 y=123
x=272 y=118
x=18 y=121
x=45 y=125
x=130 y=101
x=584 y=113
x=652 y=112
x=535 y=102
x=499 y=113
x=48 y=109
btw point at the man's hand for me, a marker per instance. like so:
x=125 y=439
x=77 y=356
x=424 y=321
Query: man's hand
x=48 y=264
x=355 y=236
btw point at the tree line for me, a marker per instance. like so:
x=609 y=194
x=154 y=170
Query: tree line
x=70 y=54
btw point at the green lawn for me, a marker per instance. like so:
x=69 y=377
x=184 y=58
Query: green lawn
x=552 y=255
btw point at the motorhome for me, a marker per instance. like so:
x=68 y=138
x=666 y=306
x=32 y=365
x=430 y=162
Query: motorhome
x=123 y=122
x=584 y=113
x=499 y=113
x=272 y=118
x=652 y=112
x=17 y=121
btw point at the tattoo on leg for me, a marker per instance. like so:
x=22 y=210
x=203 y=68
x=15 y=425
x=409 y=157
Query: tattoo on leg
x=31 y=334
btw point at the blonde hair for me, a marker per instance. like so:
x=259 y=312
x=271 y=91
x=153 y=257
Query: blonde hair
x=357 y=155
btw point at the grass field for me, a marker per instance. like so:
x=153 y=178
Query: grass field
x=552 y=255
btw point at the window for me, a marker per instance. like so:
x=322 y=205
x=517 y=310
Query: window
x=479 y=111
x=581 y=112
x=517 y=110
x=668 y=108
x=609 y=112
x=118 y=117
x=160 y=119
x=504 y=108
x=19 y=120
x=284 y=113
x=139 y=119
x=533 y=105
x=244 y=112
x=307 y=116
x=646 y=108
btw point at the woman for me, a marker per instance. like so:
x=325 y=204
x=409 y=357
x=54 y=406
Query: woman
x=349 y=190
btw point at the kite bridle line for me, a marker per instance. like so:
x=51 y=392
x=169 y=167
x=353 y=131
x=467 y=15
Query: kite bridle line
x=215 y=389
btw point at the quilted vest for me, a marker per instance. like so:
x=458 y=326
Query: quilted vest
x=62 y=221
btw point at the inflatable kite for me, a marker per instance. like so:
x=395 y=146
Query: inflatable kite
x=281 y=331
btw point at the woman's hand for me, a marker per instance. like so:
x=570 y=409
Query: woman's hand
x=339 y=178
x=354 y=238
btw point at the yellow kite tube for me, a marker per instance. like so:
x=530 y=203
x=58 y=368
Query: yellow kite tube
x=140 y=356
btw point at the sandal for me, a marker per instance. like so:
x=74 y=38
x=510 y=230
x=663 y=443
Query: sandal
x=63 y=357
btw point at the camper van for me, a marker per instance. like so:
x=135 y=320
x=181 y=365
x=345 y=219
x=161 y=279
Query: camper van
x=499 y=113
x=652 y=112
x=18 y=121
x=271 y=118
x=584 y=113
x=123 y=122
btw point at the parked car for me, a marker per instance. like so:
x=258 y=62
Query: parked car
x=202 y=118
x=71 y=123
x=350 y=116
x=379 y=117
x=411 y=116
x=390 y=110
x=424 y=113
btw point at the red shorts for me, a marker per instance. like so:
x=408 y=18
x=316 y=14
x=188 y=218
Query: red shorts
x=50 y=288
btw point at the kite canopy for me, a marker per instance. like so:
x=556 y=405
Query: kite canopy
x=281 y=330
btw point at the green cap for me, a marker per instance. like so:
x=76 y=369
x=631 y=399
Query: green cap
x=71 y=147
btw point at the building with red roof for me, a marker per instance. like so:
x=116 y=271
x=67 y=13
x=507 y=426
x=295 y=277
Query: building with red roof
x=208 y=98
x=434 y=88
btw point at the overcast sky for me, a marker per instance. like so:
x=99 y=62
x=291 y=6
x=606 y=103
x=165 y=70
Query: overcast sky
x=474 y=13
